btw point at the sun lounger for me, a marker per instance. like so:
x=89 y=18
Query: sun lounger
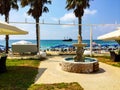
x=3 y=64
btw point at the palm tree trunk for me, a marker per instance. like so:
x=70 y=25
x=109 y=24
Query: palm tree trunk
x=79 y=30
x=38 y=34
x=7 y=36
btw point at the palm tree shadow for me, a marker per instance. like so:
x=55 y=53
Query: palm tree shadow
x=40 y=72
x=96 y=72
x=16 y=75
x=101 y=70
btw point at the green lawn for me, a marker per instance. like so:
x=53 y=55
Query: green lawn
x=20 y=74
x=106 y=59
x=57 y=86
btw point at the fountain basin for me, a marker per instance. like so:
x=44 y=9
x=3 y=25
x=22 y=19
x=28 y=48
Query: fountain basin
x=90 y=65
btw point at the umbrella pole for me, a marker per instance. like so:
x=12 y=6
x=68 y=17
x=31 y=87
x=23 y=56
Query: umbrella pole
x=7 y=36
x=7 y=43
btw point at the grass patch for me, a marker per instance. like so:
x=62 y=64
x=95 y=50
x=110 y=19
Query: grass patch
x=56 y=86
x=20 y=74
x=106 y=59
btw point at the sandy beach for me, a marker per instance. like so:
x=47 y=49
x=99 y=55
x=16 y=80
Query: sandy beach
x=107 y=78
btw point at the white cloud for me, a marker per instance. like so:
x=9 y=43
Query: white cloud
x=71 y=17
x=68 y=17
x=90 y=12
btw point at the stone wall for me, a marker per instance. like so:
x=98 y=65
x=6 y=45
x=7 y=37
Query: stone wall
x=80 y=67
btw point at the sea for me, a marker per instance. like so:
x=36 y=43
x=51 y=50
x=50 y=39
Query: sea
x=45 y=44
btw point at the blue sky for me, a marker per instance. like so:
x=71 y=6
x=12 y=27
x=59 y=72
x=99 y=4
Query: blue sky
x=100 y=12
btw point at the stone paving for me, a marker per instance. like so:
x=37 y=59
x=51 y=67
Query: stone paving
x=107 y=78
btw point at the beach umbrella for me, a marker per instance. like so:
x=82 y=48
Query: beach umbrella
x=115 y=45
x=63 y=46
x=71 y=46
x=60 y=46
x=7 y=29
x=115 y=35
x=105 y=45
x=1 y=46
x=22 y=42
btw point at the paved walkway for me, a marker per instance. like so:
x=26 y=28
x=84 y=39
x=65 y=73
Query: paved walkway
x=108 y=78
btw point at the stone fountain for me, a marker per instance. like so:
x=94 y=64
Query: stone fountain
x=80 y=64
x=79 y=52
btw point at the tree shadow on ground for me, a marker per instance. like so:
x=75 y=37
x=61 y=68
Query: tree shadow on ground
x=101 y=70
x=40 y=72
x=18 y=77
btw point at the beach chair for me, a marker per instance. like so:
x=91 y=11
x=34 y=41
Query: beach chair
x=3 y=64
x=114 y=56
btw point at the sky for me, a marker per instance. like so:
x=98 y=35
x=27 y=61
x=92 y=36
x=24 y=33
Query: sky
x=100 y=12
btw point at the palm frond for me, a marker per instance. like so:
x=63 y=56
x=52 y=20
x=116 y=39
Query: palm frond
x=45 y=9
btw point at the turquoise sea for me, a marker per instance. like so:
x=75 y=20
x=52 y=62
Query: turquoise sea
x=44 y=44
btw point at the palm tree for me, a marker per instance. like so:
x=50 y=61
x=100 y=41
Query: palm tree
x=5 y=7
x=37 y=7
x=78 y=6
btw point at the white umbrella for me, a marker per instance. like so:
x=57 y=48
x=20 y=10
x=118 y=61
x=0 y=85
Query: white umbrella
x=22 y=42
x=7 y=29
x=115 y=35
